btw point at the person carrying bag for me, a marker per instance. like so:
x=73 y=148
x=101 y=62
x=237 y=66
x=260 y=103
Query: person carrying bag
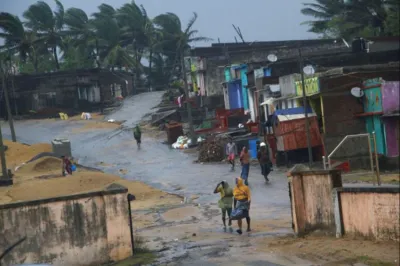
x=242 y=200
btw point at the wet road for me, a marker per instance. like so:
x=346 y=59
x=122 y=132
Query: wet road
x=173 y=171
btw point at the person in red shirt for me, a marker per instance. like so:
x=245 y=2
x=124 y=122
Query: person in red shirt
x=66 y=166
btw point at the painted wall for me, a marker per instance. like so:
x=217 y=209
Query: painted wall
x=287 y=85
x=379 y=218
x=235 y=95
x=83 y=229
x=392 y=128
x=373 y=104
x=311 y=86
x=243 y=77
x=390 y=96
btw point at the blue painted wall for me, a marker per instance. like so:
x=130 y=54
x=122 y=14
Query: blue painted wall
x=267 y=72
x=235 y=94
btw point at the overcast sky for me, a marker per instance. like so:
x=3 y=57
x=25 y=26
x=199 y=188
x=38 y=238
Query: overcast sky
x=259 y=20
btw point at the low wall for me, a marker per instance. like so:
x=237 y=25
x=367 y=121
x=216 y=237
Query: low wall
x=311 y=199
x=371 y=212
x=83 y=229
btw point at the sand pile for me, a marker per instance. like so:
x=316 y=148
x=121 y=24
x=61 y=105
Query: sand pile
x=41 y=166
x=18 y=153
x=42 y=178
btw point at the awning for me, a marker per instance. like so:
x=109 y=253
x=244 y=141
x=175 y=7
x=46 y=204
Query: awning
x=292 y=114
x=293 y=117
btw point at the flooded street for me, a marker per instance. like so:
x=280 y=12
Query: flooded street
x=192 y=232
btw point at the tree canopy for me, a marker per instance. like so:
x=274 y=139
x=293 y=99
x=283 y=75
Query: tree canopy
x=351 y=18
x=50 y=40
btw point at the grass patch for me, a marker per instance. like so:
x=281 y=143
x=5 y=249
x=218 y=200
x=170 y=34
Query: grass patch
x=143 y=255
x=393 y=179
x=138 y=260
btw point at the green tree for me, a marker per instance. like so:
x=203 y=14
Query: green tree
x=47 y=25
x=112 y=49
x=80 y=39
x=176 y=39
x=347 y=19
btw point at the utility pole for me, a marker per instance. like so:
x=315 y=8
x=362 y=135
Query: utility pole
x=188 y=105
x=3 y=157
x=310 y=157
x=7 y=100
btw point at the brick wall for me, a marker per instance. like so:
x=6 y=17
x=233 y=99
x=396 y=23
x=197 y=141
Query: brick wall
x=340 y=121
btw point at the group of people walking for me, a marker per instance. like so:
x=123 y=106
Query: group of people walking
x=240 y=196
x=262 y=157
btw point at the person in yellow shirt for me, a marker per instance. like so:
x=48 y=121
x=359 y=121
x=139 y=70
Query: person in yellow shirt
x=242 y=200
x=225 y=202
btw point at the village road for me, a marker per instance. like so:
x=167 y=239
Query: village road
x=173 y=171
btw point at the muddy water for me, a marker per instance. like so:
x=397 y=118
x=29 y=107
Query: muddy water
x=191 y=233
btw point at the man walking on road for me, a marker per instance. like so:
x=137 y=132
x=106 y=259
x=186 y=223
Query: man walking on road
x=245 y=161
x=137 y=134
x=231 y=151
x=263 y=159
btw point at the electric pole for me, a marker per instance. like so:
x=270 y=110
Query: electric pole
x=310 y=157
x=7 y=100
x=3 y=157
x=188 y=105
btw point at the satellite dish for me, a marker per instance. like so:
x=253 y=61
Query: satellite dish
x=357 y=92
x=309 y=70
x=272 y=58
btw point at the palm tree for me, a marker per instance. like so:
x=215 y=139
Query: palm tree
x=19 y=41
x=176 y=40
x=112 y=51
x=154 y=46
x=81 y=39
x=16 y=39
x=347 y=18
x=47 y=24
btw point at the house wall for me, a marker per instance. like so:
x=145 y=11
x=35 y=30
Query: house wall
x=370 y=212
x=287 y=85
x=222 y=56
x=392 y=125
x=62 y=90
x=83 y=229
x=373 y=104
x=340 y=121
x=390 y=96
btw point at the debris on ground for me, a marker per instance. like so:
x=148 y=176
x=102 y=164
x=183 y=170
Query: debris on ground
x=86 y=116
x=182 y=142
x=212 y=150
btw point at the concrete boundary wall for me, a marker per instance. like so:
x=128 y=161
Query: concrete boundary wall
x=370 y=212
x=82 y=229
